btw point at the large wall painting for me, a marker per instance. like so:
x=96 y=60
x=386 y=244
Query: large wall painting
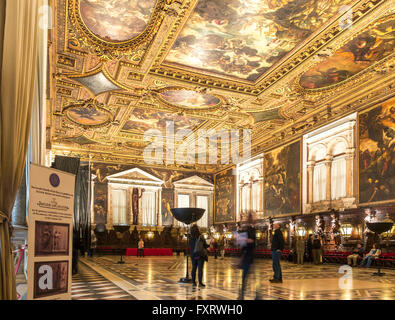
x=100 y=203
x=377 y=154
x=167 y=202
x=116 y=20
x=244 y=38
x=371 y=46
x=282 y=180
x=224 y=196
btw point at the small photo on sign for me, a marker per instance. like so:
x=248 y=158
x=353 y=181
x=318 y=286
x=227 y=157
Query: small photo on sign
x=50 y=278
x=51 y=238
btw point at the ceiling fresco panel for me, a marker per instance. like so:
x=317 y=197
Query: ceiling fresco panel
x=246 y=38
x=369 y=47
x=116 y=20
x=142 y=120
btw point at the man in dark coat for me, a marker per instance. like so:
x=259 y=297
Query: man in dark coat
x=277 y=248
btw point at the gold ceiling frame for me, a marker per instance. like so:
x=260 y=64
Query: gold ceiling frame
x=115 y=49
x=88 y=103
x=354 y=78
x=277 y=72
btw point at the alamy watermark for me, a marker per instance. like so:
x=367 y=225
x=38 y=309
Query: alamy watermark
x=187 y=147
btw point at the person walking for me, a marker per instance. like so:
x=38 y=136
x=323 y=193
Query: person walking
x=317 y=250
x=277 y=248
x=247 y=254
x=198 y=255
x=300 y=247
x=140 y=247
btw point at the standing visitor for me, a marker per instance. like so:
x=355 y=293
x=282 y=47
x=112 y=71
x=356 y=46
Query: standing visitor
x=93 y=244
x=247 y=254
x=277 y=248
x=300 y=247
x=317 y=250
x=221 y=247
x=198 y=255
x=214 y=245
x=309 y=248
x=140 y=247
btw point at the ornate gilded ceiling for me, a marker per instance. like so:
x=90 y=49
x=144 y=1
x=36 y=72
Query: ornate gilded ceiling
x=278 y=67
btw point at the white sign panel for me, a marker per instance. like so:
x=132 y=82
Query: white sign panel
x=50 y=235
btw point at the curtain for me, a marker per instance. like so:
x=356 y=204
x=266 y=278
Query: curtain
x=149 y=208
x=319 y=182
x=18 y=56
x=338 y=179
x=118 y=203
x=202 y=202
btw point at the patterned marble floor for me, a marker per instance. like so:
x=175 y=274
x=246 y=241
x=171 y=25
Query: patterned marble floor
x=157 y=278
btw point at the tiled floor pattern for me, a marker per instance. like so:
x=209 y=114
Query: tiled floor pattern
x=90 y=285
x=158 y=278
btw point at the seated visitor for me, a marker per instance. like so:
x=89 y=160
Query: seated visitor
x=357 y=252
x=373 y=254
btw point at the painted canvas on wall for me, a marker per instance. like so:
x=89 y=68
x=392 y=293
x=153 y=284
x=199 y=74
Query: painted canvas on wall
x=224 y=197
x=377 y=154
x=371 y=46
x=246 y=38
x=100 y=203
x=282 y=180
x=167 y=202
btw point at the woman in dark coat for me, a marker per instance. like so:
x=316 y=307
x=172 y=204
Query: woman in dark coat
x=196 y=258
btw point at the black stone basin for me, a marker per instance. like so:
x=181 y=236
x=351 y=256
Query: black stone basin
x=379 y=227
x=187 y=215
x=121 y=229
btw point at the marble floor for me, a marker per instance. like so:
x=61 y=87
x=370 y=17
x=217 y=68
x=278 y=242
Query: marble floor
x=157 y=278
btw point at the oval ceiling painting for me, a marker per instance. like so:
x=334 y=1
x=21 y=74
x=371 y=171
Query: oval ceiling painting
x=88 y=114
x=189 y=98
x=372 y=45
x=116 y=20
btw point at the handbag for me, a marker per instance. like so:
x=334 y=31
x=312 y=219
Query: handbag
x=200 y=250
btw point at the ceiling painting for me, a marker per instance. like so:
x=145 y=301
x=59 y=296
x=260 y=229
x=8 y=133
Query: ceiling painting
x=116 y=20
x=88 y=114
x=189 y=98
x=143 y=119
x=119 y=68
x=369 y=47
x=245 y=38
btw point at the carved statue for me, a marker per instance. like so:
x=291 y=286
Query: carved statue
x=335 y=227
x=319 y=226
x=136 y=195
